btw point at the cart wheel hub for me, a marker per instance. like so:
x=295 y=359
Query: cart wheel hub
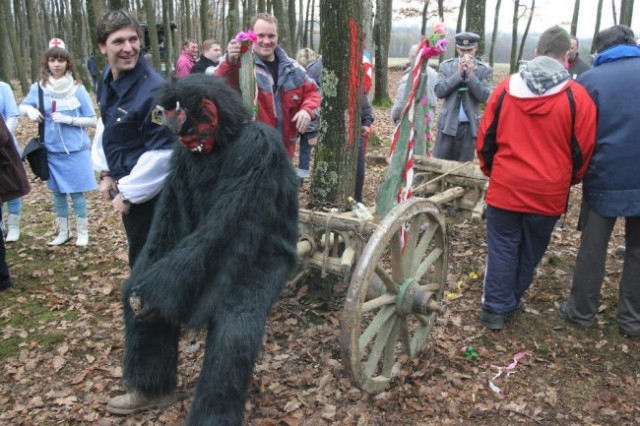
x=414 y=298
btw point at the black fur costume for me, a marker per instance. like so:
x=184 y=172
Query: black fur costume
x=220 y=249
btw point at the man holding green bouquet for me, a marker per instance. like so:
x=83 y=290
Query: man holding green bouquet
x=287 y=99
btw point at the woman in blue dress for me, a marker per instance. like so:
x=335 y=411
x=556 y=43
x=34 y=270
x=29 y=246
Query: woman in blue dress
x=68 y=111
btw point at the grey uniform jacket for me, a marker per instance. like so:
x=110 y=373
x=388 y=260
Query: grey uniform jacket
x=479 y=89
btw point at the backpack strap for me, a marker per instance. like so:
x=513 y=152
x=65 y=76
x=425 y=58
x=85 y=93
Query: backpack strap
x=490 y=143
x=576 y=152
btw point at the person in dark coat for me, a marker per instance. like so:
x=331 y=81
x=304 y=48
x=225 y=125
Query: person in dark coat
x=576 y=65
x=13 y=184
x=209 y=59
x=221 y=247
x=611 y=187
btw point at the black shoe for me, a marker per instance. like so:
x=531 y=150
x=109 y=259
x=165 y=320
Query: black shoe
x=517 y=310
x=628 y=334
x=7 y=285
x=492 y=321
x=562 y=313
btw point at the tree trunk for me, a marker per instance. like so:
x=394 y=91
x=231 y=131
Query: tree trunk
x=79 y=41
x=494 y=33
x=34 y=39
x=574 y=19
x=626 y=12
x=425 y=17
x=333 y=179
x=460 y=15
x=526 y=30
x=249 y=13
x=312 y=26
x=382 y=37
x=46 y=21
x=115 y=4
x=597 y=28
x=367 y=25
x=514 y=38
x=291 y=21
x=615 y=12
x=153 y=35
x=284 y=36
x=233 y=19
x=13 y=40
x=167 y=55
x=476 y=12
x=204 y=20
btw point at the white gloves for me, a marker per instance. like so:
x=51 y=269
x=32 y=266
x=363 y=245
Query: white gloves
x=58 y=117
x=31 y=112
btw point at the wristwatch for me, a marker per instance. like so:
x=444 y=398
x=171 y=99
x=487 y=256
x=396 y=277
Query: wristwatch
x=125 y=200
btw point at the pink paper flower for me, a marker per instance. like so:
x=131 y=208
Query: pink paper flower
x=439 y=28
x=246 y=40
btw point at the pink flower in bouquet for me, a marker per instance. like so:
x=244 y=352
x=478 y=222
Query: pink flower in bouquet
x=246 y=40
x=442 y=44
x=430 y=51
x=439 y=28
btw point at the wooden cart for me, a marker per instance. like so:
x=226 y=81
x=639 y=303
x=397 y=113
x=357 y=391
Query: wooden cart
x=394 y=295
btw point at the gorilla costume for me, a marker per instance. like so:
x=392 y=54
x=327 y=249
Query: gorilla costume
x=221 y=247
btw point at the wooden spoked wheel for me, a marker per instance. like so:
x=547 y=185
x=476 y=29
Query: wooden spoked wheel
x=395 y=295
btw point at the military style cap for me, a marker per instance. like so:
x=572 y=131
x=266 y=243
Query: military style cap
x=467 y=41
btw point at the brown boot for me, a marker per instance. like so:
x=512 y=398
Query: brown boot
x=133 y=402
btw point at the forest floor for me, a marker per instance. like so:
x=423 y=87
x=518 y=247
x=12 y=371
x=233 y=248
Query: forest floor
x=61 y=339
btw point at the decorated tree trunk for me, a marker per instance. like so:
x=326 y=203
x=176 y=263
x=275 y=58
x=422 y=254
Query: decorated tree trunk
x=333 y=176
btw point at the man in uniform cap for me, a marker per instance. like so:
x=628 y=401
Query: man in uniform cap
x=464 y=83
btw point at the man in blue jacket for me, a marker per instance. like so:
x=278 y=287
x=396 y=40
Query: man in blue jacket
x=135 y=146
x=611 y=187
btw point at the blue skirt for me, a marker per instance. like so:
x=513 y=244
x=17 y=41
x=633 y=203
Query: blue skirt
x=72 y=172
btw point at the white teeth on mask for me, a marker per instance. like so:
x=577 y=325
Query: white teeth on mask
x=197 y=148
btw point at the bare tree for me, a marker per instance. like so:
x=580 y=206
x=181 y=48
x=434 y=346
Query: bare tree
x=597 y=28
x=626 y=12
x=382 y=37
x=513 y=65
x=574 y=19
x=13 y=40
x=341 y=37
x=494 y=33
x=460 y=15
x=476 y=12
x=34 y=39
x=153 y=35
x=233 y=19
x=526 y=31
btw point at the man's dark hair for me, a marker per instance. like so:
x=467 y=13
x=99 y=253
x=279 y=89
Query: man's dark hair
x=114 y=21
x=613 y=36
x=554 y=42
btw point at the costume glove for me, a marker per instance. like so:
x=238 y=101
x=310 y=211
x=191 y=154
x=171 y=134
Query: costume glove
x=143 y=311
x=58 y=117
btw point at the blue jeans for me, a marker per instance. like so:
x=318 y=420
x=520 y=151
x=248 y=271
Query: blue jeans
x=304 y=157
x=515 y=244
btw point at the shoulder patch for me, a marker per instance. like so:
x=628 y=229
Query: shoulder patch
x=156 y=116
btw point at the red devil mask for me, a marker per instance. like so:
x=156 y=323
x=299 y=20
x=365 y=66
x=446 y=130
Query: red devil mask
x=196 y=136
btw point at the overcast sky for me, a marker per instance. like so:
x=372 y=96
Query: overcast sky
x=548 y=13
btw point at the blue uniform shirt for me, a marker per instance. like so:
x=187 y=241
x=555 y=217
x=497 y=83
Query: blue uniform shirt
x=126 y=105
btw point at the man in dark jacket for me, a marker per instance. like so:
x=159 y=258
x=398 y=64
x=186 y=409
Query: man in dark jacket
x=210 y=58
x=576 y=65
x=611 y=186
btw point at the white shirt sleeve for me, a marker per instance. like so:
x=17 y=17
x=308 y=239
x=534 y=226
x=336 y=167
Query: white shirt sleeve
x=147 y=177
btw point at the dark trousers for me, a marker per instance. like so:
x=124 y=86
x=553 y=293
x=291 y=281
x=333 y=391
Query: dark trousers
x=584 y=300
x=5 y=278
x=136 y=225
x=515 y=244
x=360 y=172
x=461 y=147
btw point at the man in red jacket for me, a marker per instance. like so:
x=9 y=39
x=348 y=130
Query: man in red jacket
x=535 y=140
x=287 y=98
